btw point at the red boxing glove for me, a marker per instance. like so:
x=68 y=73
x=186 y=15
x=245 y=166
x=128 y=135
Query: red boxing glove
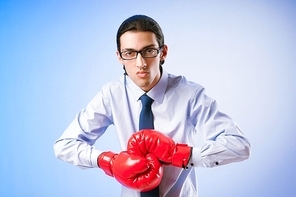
x=133 y=171
x=162 y=146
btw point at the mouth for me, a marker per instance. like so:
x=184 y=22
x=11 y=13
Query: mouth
x=142 y=74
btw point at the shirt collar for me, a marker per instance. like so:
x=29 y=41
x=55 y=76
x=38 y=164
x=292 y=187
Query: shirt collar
x=157 y=92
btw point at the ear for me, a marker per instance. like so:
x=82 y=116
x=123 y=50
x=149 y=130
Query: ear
x=119 y=58
x=164 y=52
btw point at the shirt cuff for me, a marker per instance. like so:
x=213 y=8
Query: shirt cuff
x=195 y=160
x=94 y=157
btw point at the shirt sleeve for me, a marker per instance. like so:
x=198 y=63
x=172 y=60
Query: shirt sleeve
x=75 y=145
x=224 y=142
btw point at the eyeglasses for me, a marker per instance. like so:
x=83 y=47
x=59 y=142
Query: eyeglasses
x=146 y=53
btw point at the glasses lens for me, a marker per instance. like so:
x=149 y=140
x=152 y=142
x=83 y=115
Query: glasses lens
x=150 y=52
x=128 y=54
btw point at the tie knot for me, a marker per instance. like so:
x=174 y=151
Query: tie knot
x=146 y=100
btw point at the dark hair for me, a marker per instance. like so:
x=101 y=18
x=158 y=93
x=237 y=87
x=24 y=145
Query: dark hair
x=140 y=23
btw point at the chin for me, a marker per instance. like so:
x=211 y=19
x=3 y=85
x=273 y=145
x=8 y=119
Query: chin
x=145 y=86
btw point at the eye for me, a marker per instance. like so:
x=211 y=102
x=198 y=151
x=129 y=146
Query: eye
x=128 y=53
x=149 y=51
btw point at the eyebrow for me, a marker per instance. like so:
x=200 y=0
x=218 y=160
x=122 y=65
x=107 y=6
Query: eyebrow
x=131 y=49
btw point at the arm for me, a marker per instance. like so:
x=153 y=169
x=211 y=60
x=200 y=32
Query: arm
x=75 y=145
x=224 y=142
x=227 y=147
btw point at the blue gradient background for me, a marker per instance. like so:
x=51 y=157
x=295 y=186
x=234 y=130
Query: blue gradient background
x=55 y=56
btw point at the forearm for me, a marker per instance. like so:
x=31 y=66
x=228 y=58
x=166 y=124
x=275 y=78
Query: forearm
x=77 y=153
x=75 y=146
x=225 y=149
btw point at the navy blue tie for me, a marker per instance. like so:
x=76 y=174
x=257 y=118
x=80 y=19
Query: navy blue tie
x=146 y=116
x=146 y=122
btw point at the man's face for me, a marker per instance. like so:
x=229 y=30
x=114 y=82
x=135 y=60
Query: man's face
x=144 y=72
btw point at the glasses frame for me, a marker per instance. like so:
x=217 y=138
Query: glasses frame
x=141 y=52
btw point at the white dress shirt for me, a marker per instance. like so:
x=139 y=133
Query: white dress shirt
x=181 y=110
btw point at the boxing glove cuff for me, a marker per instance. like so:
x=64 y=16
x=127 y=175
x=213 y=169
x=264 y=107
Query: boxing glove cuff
x=105 y=161
x=181 y=155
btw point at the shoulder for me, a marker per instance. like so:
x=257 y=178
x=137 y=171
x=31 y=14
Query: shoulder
x=181 y=82
x=114 y=85
x=109 y=89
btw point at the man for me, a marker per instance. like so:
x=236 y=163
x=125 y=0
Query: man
x=162 y=156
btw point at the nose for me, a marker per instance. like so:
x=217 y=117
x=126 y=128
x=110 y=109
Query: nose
x=140 y=61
